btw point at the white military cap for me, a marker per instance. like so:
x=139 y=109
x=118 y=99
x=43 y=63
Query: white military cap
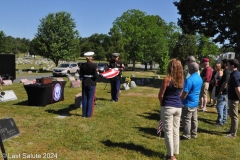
x=116 y=54
x=88 y=54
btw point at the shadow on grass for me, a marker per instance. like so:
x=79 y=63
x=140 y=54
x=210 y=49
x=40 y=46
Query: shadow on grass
x=209 y=121
x=133 y=147
x=102 y=99
x=151 y=131
x=151 y=116
x=64 y=111
x=25 y=104
x=201 y=130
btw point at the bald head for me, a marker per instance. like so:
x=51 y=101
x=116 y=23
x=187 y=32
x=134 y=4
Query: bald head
x=193 y=67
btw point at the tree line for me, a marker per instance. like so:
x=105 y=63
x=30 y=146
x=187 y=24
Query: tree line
x=137 y=36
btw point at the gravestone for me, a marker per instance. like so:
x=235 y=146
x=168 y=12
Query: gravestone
x=31 y=67
x=75 y=84
x=78 y=100
x=29 y=72
x=20 y=71
x=8 y=128
x=132 y=75
x=7 y=82
x=23 y=80
x=9 y=95
x=125 y=86
x=133 y=84
x=70 y=78
x=60 y=79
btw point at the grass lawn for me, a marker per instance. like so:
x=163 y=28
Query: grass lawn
x=119 y=131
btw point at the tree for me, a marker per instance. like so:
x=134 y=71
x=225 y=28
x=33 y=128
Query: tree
x=57 y=38
x=141 y=36
x=155 y=43
x=186 y=45
x=130 y=27
x=218 y=19
x=2 y=42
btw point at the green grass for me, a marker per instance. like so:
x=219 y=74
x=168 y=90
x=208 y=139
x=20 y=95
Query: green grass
x=122 y=130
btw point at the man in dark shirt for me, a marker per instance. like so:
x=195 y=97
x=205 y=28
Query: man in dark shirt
x=222 y=95
x=206 y=75
x=88 y=73
x=115 y=81
x=233 y=96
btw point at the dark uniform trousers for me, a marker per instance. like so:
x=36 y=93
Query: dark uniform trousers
x=115 y=87
x=88 y=93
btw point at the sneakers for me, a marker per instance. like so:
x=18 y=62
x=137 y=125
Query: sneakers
x=230 y=136
x=218 y=125
x=184 y=138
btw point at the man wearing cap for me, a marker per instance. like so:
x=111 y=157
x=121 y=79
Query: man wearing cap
x=88 y=73
x=222 y=95
x=206 y=75
x=115 y=81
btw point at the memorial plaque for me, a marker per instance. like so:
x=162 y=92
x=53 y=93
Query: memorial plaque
x=8 y=128
x=9 y=95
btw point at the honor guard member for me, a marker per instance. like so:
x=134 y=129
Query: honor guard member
x=115 y=81
x=88 y=73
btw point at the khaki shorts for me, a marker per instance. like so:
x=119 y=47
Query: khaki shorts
x=204 y=89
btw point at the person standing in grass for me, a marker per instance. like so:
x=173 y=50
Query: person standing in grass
x=222 y=95
x=116 y=81
x=88 y=72
x=171 y=106
x=190 y=99
x=233 y=96
x=217 y=77
x=206 y=75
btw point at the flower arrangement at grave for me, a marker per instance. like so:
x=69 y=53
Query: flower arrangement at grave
x=127 y=80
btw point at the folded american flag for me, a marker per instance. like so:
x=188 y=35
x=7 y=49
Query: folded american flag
x=160 y=127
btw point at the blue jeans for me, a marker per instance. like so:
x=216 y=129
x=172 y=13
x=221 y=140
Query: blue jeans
x=222 y=102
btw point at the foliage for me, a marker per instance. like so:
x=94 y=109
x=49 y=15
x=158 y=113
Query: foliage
x=218 y=19
x=9 y=44
x=57 y=38
x=142 y=35
x=116 y=45
x=196 y=45
x=186 y=45
x=2 y=41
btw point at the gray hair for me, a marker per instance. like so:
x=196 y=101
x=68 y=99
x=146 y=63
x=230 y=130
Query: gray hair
x=191 y=58
x=194 y=66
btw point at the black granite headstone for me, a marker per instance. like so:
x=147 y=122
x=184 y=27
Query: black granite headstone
x=8 y=128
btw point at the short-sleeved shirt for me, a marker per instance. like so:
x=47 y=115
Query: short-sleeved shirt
x=207 y=73
x=192 y=86
x=114 y=64
x=225 y=78
x=88 y=71
x=234 y=82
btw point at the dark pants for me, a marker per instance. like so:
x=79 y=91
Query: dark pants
x=88 y=93
x=115 y=86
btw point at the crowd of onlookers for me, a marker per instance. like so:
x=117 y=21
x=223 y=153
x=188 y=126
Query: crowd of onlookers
x=184 y=92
